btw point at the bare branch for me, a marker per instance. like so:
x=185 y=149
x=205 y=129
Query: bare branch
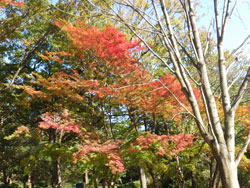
x=144 y=42
x=241 y=91
x=176 y=98
x=235 y=79
x=210 y=100
x=243 y=150
x=226 y=17
x=190 y=35
x=208 y=38
x=217 y=26
x=241 y=45
x=141 y=13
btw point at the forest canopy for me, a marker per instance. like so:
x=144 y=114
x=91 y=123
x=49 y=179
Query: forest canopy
x=123 y=93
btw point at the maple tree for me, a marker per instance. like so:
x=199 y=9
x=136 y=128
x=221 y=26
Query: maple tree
x=107 y=98
x=185 y=51
x=131 y=87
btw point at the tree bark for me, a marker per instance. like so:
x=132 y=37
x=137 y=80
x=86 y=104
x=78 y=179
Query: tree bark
x=56 y=175
x=154 y=178
x=219 y=133
x=228 y=173
x=143 y=178
x=86 y=179
x=180 y=174
x=194 y=181
x=29 y=181
x=5 y=179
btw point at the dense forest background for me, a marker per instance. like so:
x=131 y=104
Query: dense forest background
x=113 y=94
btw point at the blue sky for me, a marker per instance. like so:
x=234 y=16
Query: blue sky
x=238 y=26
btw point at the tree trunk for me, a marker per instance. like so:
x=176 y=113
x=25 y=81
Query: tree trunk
x=228 y=173
x=180 y=174
x=103 y=183
x=56 y=175
x=214 y=175
x=5 y=179
x=29 y=181
x=194 y=182
x=86 y=179
x=143 y=178
x=96 y=183
x=154 y=178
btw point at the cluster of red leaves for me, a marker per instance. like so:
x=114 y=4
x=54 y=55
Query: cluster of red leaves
x=158 y=97
x=32 y=92
x=131 y=84
x=161 y=145
x=111 y=151
x=60 y=121
x=108 y=44
x=4 y=3
x=166 y=144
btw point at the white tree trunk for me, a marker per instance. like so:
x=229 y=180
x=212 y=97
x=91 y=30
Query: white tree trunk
x=143 y=178
x=86 y=178
x=229 y=174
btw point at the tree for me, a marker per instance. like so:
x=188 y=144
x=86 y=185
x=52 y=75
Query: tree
x=112 y=87
x=109 y=53
x=218 y=132
x=26 y=31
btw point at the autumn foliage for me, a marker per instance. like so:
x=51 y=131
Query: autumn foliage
x=129 y=85
x=167 y=144
x=59 y=121
x=110 y=150
x=4 y=3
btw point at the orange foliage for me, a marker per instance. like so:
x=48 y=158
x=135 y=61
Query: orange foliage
x=131 y=84
x=111 y=151
x=4 y=3
x=243 y=116
x=53 y=56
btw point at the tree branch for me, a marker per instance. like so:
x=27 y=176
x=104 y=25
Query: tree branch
x=27 y=57
x=241 y=91
x=243 y=150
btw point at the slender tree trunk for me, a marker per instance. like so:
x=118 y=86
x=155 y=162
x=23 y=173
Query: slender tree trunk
x=96 y=183
x=5 y=179
x=86 y=179
x=29 y=181
x=154 y=178
x=143 y=178
x=56 y=175
x=180 y=174
x=194 y=182
x=214 y=175
x=103 y=183
x=217 y=180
